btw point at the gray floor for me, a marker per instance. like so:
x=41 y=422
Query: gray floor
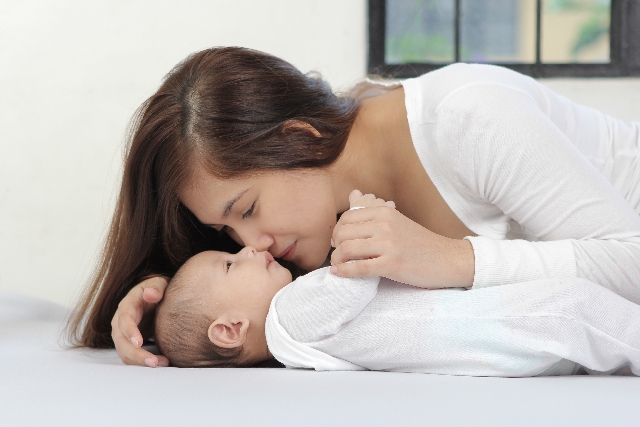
x=40 y=384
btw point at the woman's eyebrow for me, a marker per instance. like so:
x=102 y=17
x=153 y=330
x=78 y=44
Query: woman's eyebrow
x=230 y=203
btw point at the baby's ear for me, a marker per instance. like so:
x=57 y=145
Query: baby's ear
x=227 y=333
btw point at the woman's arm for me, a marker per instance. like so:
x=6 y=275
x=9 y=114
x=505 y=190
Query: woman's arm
x=515 y=157
x=500 y=147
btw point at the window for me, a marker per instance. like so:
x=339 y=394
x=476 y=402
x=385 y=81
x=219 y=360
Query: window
x=541 y=38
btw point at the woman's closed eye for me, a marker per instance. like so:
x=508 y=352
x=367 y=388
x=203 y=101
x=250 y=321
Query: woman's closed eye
x=248 y=213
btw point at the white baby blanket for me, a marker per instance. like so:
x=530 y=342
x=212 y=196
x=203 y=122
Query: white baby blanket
x=294 y=354
x=545 y=327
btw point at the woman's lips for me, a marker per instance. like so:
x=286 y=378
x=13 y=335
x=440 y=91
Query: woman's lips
x=289 y=252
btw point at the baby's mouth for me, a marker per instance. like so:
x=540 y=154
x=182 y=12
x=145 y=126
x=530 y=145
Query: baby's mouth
x=269 y=258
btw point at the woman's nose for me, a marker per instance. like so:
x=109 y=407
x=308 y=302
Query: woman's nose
x=259 y=241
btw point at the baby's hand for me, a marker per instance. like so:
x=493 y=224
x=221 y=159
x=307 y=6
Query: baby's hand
x=357 y=200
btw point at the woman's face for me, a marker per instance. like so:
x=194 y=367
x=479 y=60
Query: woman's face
x=291 y=214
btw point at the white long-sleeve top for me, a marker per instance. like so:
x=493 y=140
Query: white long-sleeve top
x=543 y=327
x=550 y=187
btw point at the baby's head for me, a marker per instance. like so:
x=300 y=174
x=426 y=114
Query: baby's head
x=214 y=310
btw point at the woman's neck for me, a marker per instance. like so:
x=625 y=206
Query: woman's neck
x=380 y=158
x=379 y=145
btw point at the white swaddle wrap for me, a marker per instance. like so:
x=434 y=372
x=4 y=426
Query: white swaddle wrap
x=294 y=354
x=546 y=327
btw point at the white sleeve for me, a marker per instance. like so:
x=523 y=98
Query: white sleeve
x=504 y=149
x=318 y=304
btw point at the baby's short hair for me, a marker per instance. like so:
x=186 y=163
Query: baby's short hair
x=181 y=329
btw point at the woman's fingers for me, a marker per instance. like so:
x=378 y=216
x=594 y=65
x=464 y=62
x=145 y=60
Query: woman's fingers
x=129 y=327
x=358 y=230
x=135 y=355
x=363 y=267
x=130 y=354
x=356 y=249
x=153 y=289
x=152 y=295
x=377 y=216
x=125 y=329
x=162 y=361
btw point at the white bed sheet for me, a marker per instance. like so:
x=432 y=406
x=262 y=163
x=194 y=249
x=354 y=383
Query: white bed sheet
x=43 y=384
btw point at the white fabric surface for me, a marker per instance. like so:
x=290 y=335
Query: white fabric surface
x=544 y=327
x=294 y=354
x=514 y=160
x=43 y=385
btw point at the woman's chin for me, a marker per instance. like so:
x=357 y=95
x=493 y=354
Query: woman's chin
x=311 y=262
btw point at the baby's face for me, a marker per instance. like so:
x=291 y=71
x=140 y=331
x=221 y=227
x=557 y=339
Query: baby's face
x=245 y=282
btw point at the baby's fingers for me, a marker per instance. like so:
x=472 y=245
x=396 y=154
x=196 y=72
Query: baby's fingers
x=353 y=196
x=357 y=200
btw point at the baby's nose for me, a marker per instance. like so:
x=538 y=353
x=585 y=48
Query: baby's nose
x=249 y=251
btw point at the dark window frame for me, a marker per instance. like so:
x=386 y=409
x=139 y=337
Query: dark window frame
x=624 y=43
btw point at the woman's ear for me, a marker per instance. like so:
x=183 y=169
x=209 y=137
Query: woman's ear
x=300 y=125
x=227 y=333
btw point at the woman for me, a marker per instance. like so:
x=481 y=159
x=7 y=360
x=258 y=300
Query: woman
x=496 y=180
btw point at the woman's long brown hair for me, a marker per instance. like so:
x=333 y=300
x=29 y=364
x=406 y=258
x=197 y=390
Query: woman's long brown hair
x=227 y=109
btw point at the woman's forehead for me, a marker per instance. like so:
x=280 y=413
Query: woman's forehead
x=204 y=185
x=222 y=190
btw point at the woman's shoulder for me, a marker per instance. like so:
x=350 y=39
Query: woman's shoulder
x=443 y=79
x=429 y=91
x=438 y=85
x=461 y=74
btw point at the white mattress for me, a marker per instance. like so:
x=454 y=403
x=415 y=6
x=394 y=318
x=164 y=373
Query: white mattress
x=43 y=384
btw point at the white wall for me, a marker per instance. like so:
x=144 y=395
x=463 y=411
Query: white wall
x=619 y=97
x=73 y=71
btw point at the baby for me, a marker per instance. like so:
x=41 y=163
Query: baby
x=232 y=310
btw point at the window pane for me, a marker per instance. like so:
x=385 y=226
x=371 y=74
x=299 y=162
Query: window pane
x=419 y=31
x=498 y=31
x=575 y=31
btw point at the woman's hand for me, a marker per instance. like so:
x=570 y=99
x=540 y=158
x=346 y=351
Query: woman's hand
x=357 y=201
x=383 y=242
x=140 y=301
